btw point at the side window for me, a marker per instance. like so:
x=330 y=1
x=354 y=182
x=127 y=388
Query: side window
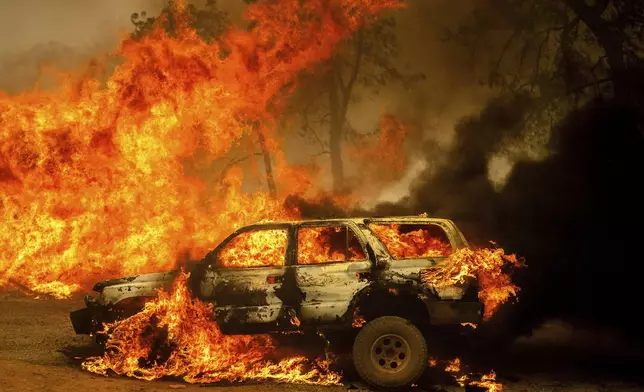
x=328 y=244
x=412 y=241
x=258 y=248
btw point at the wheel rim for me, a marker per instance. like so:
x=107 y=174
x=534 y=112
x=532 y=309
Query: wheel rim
x=390 y=353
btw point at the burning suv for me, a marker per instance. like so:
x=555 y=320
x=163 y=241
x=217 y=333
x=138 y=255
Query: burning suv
x=359 y=274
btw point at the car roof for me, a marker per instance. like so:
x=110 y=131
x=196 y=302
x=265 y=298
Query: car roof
x=389 y=219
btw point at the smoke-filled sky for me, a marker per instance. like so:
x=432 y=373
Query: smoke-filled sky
x=75 y=23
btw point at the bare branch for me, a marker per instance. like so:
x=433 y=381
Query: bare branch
x=234 y=161
x=506 y=46
x=537 y=67
x=590 y=84
x=311 y=130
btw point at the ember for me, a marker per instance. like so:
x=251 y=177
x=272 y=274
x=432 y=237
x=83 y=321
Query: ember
x=487 y=381
x=175 y=336
x=358 y=319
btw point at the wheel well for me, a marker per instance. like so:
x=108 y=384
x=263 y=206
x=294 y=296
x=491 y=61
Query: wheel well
x=391 y=301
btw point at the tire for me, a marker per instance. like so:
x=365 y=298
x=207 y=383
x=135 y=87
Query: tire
x=390 y=352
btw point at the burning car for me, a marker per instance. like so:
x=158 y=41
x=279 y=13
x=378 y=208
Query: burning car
x=335 y=274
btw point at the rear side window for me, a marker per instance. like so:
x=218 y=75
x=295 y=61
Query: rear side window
x=257 y=248
x=328 y=244
x=412 y=241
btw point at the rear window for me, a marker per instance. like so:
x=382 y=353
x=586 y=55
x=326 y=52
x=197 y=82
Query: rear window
x=413 y=241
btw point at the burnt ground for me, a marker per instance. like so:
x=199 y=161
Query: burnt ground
x=40 y=352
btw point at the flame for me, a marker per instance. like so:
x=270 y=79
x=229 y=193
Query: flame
x=174 y=336
x=358 y=319
x=94 y=176
x=486 y=381
x=255 y=249
x=56 y=289
x=414 y=244
x=495 y=285
x=453 y=366
x=327 y=244
x=486 y=265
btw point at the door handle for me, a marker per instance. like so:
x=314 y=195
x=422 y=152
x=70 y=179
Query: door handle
x=273 y=279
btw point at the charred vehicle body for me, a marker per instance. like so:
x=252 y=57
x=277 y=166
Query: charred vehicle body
x=321 y=274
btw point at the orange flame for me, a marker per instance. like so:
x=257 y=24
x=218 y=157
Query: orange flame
x=453 y=366
x=93 y=176
x=488 y=381
x=358 y=319
x=495 y=286
x=256 y=249
x=414 y=244
x=326 y=244
x=175 y=336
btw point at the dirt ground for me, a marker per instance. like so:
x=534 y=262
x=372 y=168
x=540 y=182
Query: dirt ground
x=40 y=352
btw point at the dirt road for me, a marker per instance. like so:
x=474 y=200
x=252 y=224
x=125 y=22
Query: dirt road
x=40 y=352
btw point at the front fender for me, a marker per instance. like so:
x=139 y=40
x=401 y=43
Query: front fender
x=140 y=286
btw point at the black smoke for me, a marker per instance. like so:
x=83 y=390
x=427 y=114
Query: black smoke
x=576 y=217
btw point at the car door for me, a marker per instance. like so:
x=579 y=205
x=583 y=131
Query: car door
x=331 y=267
x=245 y=273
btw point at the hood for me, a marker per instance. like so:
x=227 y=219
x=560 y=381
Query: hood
x=153 y=277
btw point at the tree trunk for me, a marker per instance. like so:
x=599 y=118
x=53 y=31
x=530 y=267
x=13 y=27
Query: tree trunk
x=270 y=180
x=336 y=123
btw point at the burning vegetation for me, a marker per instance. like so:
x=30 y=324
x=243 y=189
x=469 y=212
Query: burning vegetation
x=176 y=336
x=93 y=178
x=94 y=184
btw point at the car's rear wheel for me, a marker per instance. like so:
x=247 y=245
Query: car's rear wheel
x=390 y=352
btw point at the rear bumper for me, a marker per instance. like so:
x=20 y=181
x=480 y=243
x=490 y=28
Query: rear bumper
x=454 y=312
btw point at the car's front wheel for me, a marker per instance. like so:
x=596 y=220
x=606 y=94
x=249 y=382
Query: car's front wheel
x=390 y=352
